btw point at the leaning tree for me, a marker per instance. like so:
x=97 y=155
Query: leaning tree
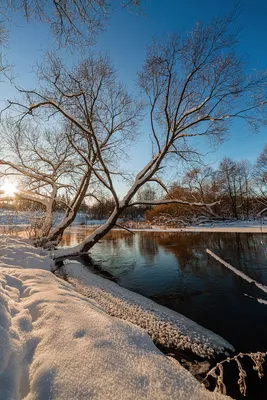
x=194 y=85
x=86 y=99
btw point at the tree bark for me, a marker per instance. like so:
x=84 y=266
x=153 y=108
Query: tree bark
x=92 y=239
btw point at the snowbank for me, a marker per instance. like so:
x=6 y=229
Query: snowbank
x=23 y=218
x=57 y=344
x=237 y=226
x=254 y=226
x=167 y=328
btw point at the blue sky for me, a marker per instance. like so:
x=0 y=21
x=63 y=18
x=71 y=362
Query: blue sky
x=125 y=40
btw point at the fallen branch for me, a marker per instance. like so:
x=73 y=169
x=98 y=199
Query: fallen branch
x=236 y=271
x=123 y=227
x=261 y=301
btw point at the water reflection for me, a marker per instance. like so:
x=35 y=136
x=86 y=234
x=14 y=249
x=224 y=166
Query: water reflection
x=148 y=248
x=174 y=270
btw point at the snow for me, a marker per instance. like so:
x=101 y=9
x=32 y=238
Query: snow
x=20 y=253
x=249 y=226
x=56 y=344
x=253 y=226
x=10 y=218
x=168 y=328
x=261 y=301
x=246 y=226
x=21 y=219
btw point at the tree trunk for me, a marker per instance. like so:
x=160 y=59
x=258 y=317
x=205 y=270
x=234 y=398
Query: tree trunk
x=47 y=225
x=54 y=235
x=92 y=239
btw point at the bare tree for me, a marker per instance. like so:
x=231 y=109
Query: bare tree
x=202 y=186
x=99 y=119
x=72 y=22
x=260 y=180
x=193 y=86
x=4 y=66
x=2 y=40
x=235 y=187
x=44 y=164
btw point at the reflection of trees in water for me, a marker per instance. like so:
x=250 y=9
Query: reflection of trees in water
x=66 y=240
x=148 y=247
x=118 y=242
x=187 y=247
x=243 y=250
x=115 y=251
x=71 y=238
x=76 y=236
x=94 y=266
x=86 y=260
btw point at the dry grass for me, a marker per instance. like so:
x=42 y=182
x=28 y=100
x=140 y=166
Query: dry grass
x=217 y=371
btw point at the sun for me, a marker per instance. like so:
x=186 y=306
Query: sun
x=9 y=188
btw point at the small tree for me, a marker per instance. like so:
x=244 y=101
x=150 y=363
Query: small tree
x=45 y=165
x=172 y=214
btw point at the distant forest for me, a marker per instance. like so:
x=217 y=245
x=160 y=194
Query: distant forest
x=237 y=190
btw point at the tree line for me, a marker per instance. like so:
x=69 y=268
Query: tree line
x=237 y=189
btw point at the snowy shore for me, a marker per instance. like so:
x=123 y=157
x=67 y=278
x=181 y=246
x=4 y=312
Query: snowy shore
x=254 y=226
x=15 y=222
x=167 y=328
x=57 y=344
x=234 y=227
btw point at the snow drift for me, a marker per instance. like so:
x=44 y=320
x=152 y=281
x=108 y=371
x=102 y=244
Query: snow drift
x=167 y=328
x=57 y=344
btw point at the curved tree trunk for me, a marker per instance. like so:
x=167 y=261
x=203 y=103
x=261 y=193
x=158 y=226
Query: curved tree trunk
x=92 y=239
x=102 y=230
x=47 y=225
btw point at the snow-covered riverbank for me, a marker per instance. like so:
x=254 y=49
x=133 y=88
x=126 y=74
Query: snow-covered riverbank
x=234 y=227
x=12 y=222
x=57 y=344
x=167 y=328
x=253 y=226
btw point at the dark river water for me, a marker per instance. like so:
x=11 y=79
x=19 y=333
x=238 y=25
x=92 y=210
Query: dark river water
x=174 y=270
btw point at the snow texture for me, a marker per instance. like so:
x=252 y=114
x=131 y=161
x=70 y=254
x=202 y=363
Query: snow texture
x=56 y=344
x=20 y=253
x=11 y=219
x=167 y=328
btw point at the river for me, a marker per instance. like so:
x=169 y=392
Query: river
x=174 y=270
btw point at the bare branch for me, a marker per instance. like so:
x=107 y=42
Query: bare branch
x=173 y=201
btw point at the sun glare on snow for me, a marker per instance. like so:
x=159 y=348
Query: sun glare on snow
x=9 y=188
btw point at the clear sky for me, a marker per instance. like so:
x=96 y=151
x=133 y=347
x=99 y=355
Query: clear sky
x=125 y=40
